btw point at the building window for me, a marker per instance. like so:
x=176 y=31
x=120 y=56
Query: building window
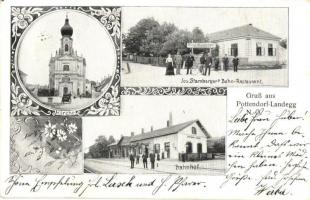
x=66 y=67
x=199 y=148
x=65 y=79
x=167 y=146
x=189 y=148
x=157 y=148
x=194 y=131
x=234 y=49
x=270 y=50
x=259 y=49
x=66 y=47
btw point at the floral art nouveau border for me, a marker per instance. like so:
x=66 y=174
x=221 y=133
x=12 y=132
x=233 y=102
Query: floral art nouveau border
x=23 y=105
x=161 y=91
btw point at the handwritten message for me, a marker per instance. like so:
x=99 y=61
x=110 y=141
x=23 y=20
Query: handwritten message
x=79 y=186
x=267 y=145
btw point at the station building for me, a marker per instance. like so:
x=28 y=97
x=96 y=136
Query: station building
x=170 y=142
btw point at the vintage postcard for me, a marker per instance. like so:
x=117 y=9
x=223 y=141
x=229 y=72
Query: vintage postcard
x=154 y=100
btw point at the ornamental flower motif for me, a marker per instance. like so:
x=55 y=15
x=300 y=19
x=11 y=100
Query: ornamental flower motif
x=22 y=18
x=61 y=135
x=107 y=105
x=21 y=104
x=110 y=19
x=72 y=128
x=49 y=130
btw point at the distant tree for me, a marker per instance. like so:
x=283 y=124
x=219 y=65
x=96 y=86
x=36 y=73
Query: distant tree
x=138 y=34
x=219 y=147
x=177 y=41
x=283 y=43
x=111 y=139
x=198 y=37
x=156 y=37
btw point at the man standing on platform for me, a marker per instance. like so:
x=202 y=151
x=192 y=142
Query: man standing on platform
x=178 y=62
x=225 y=62
x=208 y=64
x=216 y=63
x=235 y=63
x=144 y=160
x=132 y=161
x=152 y=159
x=137 y=159
x=189 y=63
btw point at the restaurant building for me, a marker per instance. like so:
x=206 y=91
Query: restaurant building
x=252 y=45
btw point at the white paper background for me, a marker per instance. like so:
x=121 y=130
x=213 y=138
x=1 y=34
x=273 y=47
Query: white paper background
x=299 y=74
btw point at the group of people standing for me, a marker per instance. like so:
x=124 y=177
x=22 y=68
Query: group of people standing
x=207 y=61
x=136 y=158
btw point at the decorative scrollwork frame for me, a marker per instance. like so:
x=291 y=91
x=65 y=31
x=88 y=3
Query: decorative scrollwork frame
x=24 y=104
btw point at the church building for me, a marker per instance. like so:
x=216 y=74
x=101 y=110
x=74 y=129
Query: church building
x=67 y=69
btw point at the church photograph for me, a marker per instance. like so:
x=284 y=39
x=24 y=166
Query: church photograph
x=161 y=135
x=71 y=61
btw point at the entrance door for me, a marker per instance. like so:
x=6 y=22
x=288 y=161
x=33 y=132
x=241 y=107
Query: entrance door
x=65 y=90
x=199 y=148
x=234 y=49
x=189 y=148
x=167 y=149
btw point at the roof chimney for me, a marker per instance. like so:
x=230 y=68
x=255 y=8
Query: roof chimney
x=142 y=130
x=132 y=134
x=152 y=128
x=170 y=119
x=250 y=24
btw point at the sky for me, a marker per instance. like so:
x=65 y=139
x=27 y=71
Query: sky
x=90 y=39
x=145 y=111
x=273 y=20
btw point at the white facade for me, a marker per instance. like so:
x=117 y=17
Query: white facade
x=247 y=50
x=67 y=69
x=186 y=135
x=172 y=145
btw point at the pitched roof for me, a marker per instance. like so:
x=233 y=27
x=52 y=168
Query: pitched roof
x=167 y=131
x=240 y=32
x=125 y=140
x=113 y=144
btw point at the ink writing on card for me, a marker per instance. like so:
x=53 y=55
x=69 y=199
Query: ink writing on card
x=267 y=145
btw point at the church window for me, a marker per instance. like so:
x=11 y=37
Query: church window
x=66 y=47
x=66 y=67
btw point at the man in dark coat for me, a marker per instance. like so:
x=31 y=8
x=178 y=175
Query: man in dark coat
x=202 y=63
x=235 y=63
x=144 y=160
x=208 y=64
x=216 y=63
x=189 y=63
x=225 y=62
x=137 y=159
x=152 y=159
x=132 y=161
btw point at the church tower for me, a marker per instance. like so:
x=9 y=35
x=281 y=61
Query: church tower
x=67 y=69
x=66 y=40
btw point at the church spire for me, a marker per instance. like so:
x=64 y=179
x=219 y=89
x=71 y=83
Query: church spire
x=66 y=29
